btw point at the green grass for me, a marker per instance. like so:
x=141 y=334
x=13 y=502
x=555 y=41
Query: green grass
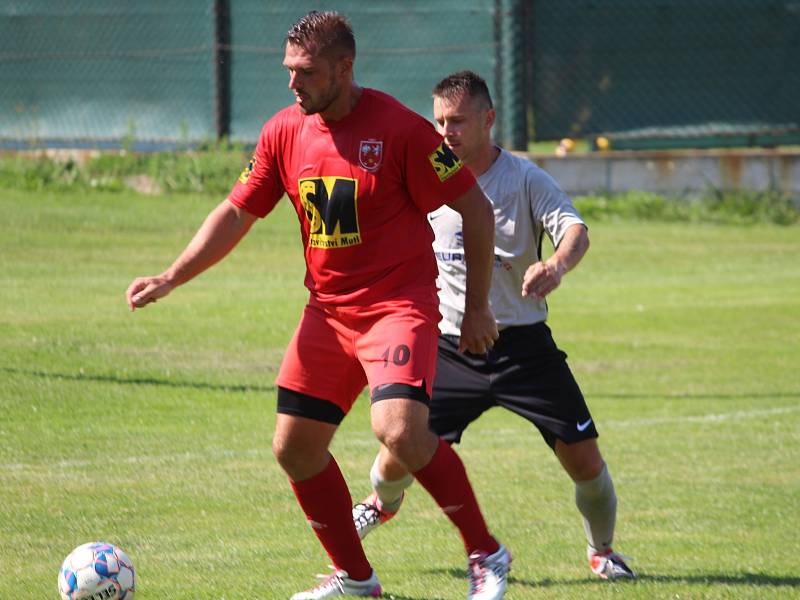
x=739 y=207
x=152 y=430
x=209 y=171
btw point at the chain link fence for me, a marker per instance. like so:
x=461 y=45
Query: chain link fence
x=666 y=73
x=166 y=73
x=105 y=71
x=403 y=48
x=156 y=72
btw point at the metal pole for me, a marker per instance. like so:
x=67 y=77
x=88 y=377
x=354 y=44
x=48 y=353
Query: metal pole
x=222 y=68
x=512 y=104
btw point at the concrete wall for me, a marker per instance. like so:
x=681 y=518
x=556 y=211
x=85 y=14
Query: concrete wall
x=675 y=172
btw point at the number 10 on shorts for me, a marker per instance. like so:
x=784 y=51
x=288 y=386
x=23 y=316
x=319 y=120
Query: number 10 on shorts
x=399 y=356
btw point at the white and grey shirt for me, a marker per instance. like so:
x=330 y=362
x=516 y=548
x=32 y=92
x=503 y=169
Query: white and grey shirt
x=527 y=204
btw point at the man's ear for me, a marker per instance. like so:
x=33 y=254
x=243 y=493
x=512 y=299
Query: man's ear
x=345 y=65
x=491 y=114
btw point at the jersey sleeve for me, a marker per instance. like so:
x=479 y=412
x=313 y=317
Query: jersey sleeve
x=550 y=205
x=434 y=174
x=259 y=187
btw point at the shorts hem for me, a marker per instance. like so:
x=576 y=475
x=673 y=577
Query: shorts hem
x=401 y=390
x=291 y=402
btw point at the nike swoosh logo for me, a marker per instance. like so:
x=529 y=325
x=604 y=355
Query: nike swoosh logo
x=583 y=426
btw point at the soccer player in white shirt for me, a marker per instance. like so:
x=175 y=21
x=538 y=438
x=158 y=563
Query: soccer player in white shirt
x=529 y=374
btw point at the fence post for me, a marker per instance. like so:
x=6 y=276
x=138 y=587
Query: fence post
x=222 y=68
x=512 y=105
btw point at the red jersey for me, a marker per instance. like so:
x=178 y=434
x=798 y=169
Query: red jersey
x=362 y=187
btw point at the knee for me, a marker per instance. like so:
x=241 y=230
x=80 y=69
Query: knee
x=396 y=437
x=412 y=448
x=587 y=470
x=294 y=458
x=282 y=451
x=581 y=460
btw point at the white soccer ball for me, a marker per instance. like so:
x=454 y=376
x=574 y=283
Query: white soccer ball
x=97 y=571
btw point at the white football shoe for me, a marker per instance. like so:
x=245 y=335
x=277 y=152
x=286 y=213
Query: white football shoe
x=340 y=584
x=488 y=574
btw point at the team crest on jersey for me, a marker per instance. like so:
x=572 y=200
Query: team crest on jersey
x=330 y=206
x=444 y=162
x=370 y=153
x=247 y=170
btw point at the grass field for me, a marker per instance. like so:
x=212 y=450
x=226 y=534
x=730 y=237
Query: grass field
x=152 y=430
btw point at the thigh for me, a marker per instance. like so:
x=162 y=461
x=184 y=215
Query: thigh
x=320 y=361
x=534 y=381
x=461 y=390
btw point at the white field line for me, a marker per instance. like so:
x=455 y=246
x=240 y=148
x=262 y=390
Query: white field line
x=264 y=453
x=713 y=418
x=160 y=459
x=737 y=415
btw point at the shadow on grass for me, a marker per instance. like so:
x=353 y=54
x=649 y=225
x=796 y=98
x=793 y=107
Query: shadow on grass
x=758 y=579
x=748 y=579
x=271 y=388
x=462 y=574
x=116 y=379
x=390 y=596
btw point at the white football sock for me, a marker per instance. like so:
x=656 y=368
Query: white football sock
x=390 y=493
x=597 y=502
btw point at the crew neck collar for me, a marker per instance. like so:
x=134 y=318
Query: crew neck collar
x=331 y=125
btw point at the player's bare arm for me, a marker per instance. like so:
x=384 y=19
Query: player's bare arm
x=541 y=278
x=479 y=328
x=218 y=235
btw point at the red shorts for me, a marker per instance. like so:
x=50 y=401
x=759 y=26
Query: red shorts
x=336 y=351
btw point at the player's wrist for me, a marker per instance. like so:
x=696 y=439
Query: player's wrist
x=170 y=278
x=476 y=305
x=559 y=266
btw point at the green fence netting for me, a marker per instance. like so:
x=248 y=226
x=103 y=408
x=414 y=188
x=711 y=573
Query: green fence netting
x=102 y=70
x=667 y=72
x=193 y=70
x=403 y=48
x=647 y=73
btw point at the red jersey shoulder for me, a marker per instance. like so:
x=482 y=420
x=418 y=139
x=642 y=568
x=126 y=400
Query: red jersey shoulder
x=389 y=111
x=281 y=123
x=272 y=133
x=444 y=162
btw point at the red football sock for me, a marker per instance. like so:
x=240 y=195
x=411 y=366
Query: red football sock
x=327 y=504
x=446 y=480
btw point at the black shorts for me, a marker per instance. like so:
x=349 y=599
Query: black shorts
x=524 y=372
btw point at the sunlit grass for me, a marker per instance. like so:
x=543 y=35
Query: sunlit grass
x=152 y=430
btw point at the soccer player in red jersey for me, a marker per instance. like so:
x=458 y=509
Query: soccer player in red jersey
x=362 y=172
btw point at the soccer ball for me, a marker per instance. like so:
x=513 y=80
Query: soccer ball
x=96 y=571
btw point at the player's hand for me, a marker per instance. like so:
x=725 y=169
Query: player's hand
x=478 y=330
x=144 y=290
x=540 y=279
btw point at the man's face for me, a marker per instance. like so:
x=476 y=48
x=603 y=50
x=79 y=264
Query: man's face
x=464 y=123
x=315 y=80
